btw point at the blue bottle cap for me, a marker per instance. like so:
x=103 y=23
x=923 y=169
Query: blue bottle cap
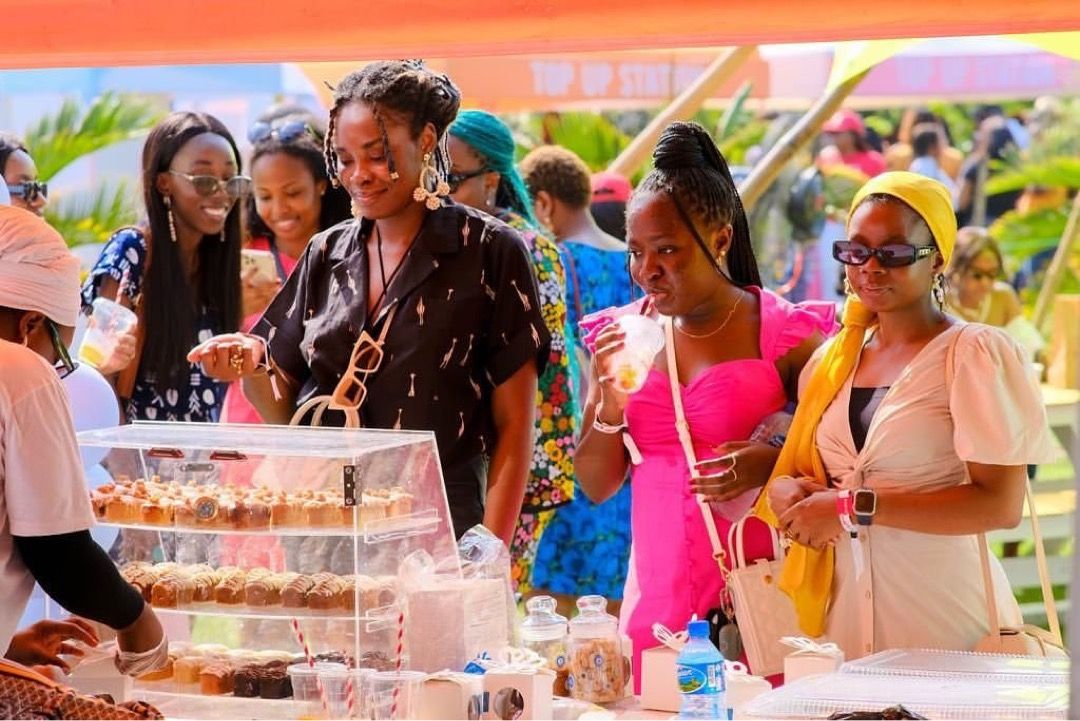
x=698 y=629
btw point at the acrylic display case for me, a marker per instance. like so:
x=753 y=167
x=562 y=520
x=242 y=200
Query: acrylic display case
x=244 y=538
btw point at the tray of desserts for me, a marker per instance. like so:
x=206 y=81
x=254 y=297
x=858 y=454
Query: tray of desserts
x=259 y=592
x=160 y=505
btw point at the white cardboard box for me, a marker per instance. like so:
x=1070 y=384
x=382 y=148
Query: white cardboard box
x=659 y=683
x=452 y=696
x=535 y=691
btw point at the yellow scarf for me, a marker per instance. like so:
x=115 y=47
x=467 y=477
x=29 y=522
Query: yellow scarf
x=807 y=575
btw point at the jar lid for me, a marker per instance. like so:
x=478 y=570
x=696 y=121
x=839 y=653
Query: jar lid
x=593 y=620
x=542 y=622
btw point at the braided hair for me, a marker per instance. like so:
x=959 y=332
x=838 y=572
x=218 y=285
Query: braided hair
x=689 y=168
x=403 y=88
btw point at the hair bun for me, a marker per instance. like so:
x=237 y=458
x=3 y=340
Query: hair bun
x=684 y=145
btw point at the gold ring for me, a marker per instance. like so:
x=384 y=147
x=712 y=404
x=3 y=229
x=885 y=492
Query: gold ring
x=236 y=359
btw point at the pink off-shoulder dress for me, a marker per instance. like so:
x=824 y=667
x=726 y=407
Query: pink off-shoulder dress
x=672 y=573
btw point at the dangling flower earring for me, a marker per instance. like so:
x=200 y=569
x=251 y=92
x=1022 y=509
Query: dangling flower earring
x=432 y=188
x=937 y=290
x=172 y=221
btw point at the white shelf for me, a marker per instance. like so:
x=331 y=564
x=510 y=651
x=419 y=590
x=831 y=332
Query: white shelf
x=380 y=531
x=193 y=705
x=374 y=618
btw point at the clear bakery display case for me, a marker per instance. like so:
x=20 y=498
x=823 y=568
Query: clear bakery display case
x=266 y=546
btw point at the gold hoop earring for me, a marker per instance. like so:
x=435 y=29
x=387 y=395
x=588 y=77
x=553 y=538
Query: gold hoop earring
x=848 y=290
x=172 y=220
x=432 y=188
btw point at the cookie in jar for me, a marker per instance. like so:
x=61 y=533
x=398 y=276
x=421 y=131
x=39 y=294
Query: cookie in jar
x=594 y=654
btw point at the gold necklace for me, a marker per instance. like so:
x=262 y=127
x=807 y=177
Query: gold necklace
x=723 y=325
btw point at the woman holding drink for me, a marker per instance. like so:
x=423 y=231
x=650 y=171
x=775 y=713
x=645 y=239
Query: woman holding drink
x=738 y=349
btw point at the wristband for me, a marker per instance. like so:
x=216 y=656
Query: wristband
x=607 y=427
x=845 y=505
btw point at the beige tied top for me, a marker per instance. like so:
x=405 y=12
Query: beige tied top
x=920 y=590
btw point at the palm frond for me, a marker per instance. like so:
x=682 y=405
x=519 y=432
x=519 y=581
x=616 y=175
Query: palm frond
x=60 y=139
x=91 y=217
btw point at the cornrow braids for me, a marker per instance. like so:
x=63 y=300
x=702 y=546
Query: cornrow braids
x=403 y=88
x=689 y=168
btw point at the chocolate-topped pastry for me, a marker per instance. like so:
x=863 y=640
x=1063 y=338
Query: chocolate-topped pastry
x=335 y=657
x=294 y=595
x=252 y=514
x=274 y=682
x=230 y=590
x=265 y=589
x=376 y=660
x=326 y=593
x=246 y=681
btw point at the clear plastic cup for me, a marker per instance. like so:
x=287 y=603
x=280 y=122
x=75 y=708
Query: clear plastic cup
x=305 y=685
x=644 y=339
x=341 y=700
x=393 y=694
x=108 y=322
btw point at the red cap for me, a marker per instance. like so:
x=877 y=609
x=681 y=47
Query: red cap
x=610 y=187
x=844 y=120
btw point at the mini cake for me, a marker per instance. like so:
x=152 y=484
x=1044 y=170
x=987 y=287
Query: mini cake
x=246 y=681
x=186 y=670
x=274 y=681
x=157 y=513
x=294 y=595
x=123 y=509
x=265 y=589
x=165 y=672
x=252 y=514
x=285 y=513
x=325 y=595
x=216 y=679
x=230 y=590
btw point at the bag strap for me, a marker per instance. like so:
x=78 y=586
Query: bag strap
x=984 y=554
x=682 y=427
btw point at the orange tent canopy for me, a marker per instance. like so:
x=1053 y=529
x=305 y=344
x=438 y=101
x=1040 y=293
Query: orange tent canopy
x=57 y=33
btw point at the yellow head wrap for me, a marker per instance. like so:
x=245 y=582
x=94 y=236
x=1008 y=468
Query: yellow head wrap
x=807 y=575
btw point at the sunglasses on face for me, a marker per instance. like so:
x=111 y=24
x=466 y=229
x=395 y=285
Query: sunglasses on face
x=206 y=185
x=454 y=180
x=285 y=133
x=893 y=255
x=29 y=191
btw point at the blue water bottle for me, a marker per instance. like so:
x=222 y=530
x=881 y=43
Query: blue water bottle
x=700 y=671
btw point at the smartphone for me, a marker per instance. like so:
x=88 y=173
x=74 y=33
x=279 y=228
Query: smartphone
x=261 y=260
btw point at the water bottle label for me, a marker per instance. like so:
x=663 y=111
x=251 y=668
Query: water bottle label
x=706 y=678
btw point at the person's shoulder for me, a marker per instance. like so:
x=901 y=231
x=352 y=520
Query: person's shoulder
x=333 y=243
x=24 y=371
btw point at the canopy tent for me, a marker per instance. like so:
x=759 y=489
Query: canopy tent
x=78 y=33
x=781 y=76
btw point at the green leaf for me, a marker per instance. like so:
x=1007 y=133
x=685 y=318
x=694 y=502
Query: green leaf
x=91 y=217
x=1058 y=171
x=58 y=140
x=733 y=115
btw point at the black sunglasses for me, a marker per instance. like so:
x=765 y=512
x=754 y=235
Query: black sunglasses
x=285 y=133
x=29 y=191
x=894 y=255
x=454 y=180
x=206 y=185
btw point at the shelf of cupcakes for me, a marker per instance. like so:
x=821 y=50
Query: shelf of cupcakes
x=199 y=508
x=259 y=592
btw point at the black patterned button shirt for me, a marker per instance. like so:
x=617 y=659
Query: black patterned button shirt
x=467 y=318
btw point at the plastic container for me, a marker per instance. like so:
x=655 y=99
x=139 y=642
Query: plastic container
x=644 y=339
x=341 y=700
x=108 y=322
x=597 y=671
x=940 y=697
x=545 y=631
x=961 y=664
x=699 y=669
x=393 y=694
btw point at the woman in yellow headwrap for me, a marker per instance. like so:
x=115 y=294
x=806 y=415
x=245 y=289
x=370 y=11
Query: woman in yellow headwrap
x=893 y=462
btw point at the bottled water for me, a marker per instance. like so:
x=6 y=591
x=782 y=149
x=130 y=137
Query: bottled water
x=700 y=671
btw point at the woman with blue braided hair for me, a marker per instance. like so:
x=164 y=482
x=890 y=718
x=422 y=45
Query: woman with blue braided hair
x=483 y=176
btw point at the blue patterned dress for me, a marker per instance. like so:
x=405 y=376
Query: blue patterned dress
x=194 y=397
x=586 y=549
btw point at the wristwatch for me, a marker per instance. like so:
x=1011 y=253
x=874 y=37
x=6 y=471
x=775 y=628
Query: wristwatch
x=865 y=506
x=844 y=505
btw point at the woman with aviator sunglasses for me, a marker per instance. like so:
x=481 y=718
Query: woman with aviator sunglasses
x=20 y=175
x=179 y=270
x=291 y=200
x=911 y=436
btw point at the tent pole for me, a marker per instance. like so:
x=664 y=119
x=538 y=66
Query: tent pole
x=1056 y=271
x=685 y=105
x=800 y=134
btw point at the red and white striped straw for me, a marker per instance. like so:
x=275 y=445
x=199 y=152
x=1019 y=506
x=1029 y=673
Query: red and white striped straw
x=398 y=660
x=350 y=695
x=311 y=664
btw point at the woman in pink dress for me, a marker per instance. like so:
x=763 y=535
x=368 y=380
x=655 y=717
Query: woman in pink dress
x=739 y=350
